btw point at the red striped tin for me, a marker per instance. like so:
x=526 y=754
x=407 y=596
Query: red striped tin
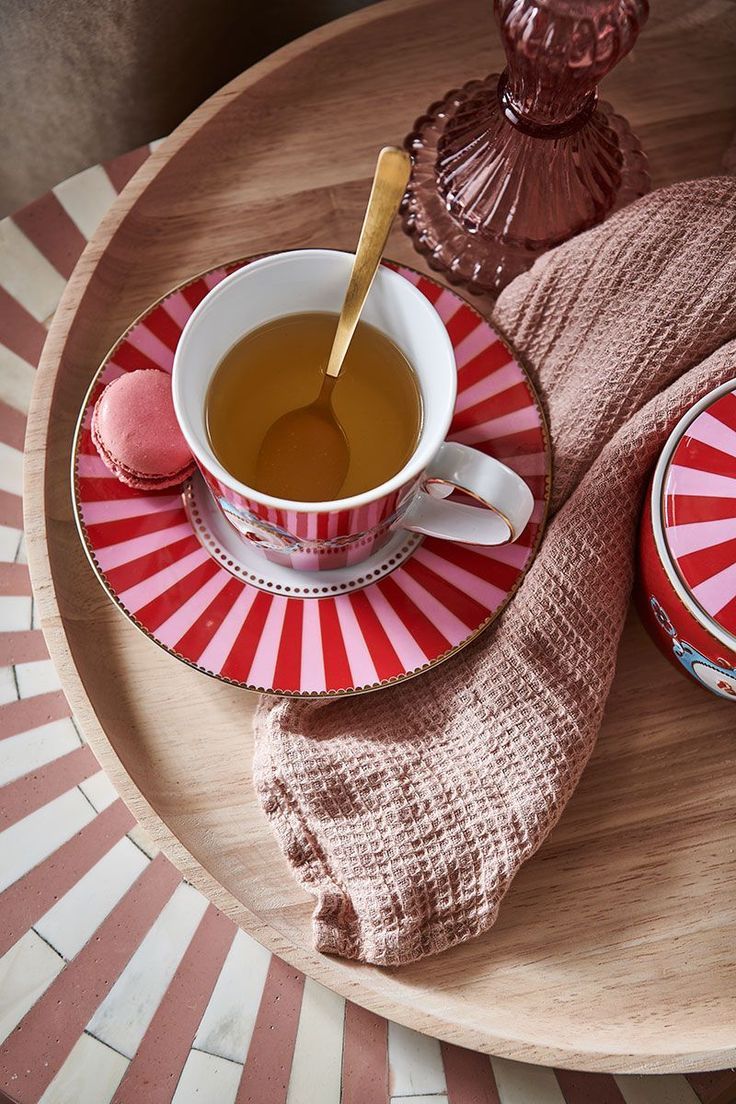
x=687 y=556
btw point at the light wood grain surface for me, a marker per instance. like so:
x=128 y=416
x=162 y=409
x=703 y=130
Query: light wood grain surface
x=615 y=947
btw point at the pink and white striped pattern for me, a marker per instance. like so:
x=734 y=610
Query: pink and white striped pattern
x=700 y=510
x=222 y=1021
x=312 y=541
x=150 y=561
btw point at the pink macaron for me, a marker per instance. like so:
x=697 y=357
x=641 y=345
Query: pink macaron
x=136 y=433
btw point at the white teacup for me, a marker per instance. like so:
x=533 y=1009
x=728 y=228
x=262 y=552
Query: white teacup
x=318 y=535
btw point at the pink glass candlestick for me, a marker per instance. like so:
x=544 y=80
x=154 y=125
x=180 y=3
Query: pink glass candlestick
x=506 y=167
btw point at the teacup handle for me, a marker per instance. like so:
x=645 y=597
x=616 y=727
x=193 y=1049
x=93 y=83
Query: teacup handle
x=508 y=500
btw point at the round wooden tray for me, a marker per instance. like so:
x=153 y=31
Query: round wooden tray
x=614 y=948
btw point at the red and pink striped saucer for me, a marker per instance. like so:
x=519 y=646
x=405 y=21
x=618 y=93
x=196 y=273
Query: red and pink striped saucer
x=699 y=511
x=185 y=583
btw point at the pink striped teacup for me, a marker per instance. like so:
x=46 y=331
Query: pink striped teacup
x=323 y=535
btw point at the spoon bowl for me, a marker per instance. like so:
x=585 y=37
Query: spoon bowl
x=305 y=454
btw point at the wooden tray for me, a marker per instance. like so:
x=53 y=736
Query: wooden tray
x=615 y=947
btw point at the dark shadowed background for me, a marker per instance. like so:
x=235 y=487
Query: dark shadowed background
x=84 y=80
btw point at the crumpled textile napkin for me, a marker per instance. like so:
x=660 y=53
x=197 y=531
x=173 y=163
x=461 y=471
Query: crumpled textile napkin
x=408 y=812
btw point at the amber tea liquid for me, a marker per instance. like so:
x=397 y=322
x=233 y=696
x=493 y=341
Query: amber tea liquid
x=279 y=367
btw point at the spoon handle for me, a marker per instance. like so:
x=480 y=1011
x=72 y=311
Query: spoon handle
x=389 y=184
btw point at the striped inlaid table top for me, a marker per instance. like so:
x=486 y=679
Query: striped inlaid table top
x=119 y=981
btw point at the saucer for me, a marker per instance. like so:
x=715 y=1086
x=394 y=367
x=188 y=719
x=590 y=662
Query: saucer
x=179 y=572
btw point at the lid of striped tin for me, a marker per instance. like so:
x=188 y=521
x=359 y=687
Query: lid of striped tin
x=699 y=508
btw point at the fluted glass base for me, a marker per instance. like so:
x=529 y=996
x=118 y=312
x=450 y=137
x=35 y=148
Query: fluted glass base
x=487 y=198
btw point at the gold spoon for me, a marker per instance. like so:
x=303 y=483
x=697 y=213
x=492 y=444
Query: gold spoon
x=305 y=454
